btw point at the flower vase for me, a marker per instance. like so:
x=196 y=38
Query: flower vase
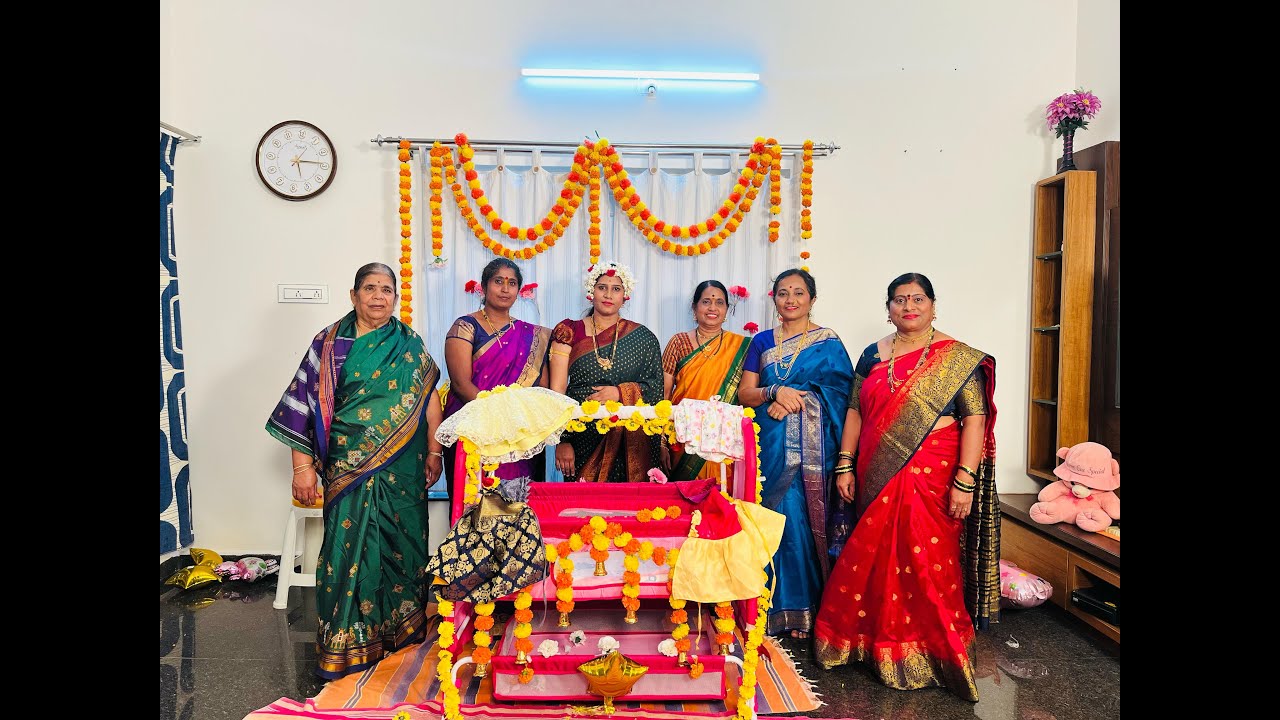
x=1068 y=153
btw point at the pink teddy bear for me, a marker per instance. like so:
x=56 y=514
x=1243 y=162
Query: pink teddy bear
x=1084 y=494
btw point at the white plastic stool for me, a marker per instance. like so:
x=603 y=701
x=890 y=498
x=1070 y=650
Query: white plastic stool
x=295 y=542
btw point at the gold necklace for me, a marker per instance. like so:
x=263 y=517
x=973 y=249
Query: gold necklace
x=605 y=363
x=488 y=326
x=895 y=383
x=706 y=346
x=905 y=339
x=787 y=364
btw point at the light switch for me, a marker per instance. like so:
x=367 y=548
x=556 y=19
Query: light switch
x=303 y=293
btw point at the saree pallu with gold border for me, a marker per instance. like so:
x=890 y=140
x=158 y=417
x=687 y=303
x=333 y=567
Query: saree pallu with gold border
x=358 y=405
x=515 y=357
x=636 y=356
x=911 y=577
x=714 y=368
x=797 y=455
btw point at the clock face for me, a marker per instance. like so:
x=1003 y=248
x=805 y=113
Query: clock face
x=296 y=160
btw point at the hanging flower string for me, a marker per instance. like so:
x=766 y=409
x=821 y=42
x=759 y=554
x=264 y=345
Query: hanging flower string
x=406 y=233
x=483 y=636
x=593 y=209
x=444 y=666
x=438 y=155
x=524 y=628
x=775 y=188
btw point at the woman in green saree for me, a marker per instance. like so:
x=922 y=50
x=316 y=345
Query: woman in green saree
x=604 y=357
x=360 y=413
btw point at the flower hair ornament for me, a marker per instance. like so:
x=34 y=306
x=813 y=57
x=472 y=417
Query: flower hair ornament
x=610 y=269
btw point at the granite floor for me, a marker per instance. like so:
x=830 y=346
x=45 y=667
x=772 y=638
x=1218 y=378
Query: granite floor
x=224 y=652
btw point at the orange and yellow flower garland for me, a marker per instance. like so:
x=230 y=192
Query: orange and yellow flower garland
x=766 y=159
x=524 y=628
x=438 y=155
x=564 y=208
x=483 y=637
x=406 y=233
x=806 y=191
x=444 y=667
x=762 y=158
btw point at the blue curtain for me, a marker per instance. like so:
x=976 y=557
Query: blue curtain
x=175 y=478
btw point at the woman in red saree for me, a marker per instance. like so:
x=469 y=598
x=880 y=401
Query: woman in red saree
x=488 y=348
x=922 y=564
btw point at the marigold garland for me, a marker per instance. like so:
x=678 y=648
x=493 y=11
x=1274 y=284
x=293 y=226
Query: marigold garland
x=759 y=163
x=482 y=638
x=751 y=659
x=806 y=191
x=406 y=233
x=438 y=154
x=724 y=623
x=524 y=628
x=444 y=671
x=595 y=162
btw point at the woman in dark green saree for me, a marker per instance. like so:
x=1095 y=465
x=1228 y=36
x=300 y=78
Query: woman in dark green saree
x=361 y=413
x=604 y=357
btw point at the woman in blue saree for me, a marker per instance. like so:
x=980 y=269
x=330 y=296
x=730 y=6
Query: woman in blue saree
x=801 y=375
x=360 y=414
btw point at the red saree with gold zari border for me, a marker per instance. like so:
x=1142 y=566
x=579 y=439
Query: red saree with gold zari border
x=896 y=599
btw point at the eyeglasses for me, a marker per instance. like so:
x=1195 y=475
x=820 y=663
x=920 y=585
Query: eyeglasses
x=901 y=300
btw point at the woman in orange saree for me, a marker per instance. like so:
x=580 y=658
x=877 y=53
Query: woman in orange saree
x=922 y=564
x=701 y=363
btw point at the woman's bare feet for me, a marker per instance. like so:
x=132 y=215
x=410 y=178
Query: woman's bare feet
x=799 y=635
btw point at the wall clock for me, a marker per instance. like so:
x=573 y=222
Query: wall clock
x=296 y=160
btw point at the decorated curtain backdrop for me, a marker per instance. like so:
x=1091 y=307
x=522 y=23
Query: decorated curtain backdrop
x=175 y=478
x=680 y=188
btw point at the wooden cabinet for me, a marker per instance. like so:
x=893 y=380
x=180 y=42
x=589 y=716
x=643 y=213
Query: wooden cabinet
x=1067 y=557
x=1061 y=332
x=1104 y=410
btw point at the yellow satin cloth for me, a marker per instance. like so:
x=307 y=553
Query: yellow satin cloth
x=730 y=568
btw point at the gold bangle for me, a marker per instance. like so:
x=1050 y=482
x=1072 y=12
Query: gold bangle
x=967 y=469
x=299 y=467
x=299 y=471
x=843 y=471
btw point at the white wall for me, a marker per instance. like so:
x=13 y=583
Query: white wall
x=937 y=107
x=1098 y=66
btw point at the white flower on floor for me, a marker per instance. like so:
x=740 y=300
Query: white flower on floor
x=577 y=637
x=548 y=648
x=668 y=647
x=607 y=645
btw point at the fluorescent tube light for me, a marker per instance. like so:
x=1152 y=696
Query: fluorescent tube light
x=639 y=74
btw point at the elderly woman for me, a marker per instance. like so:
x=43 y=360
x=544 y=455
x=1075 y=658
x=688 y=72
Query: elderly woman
x=918 y=457
x=360 y=412
x=488 y=348
x=605 y=357
x=800 y=374
x=701 y=363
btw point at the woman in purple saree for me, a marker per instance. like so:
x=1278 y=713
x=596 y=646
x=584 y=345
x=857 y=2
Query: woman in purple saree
x=488 y=348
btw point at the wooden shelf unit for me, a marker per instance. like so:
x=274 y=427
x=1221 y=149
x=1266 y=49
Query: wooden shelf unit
x=1066 y=556
x=1061 y=332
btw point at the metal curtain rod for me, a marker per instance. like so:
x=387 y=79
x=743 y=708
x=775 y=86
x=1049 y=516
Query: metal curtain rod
x=819 y=149
x=181 y=135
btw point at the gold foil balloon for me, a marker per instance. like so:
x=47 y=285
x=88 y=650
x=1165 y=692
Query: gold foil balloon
x=194 y=576
x=205 y=557
x=611 y=675
x=202 y=573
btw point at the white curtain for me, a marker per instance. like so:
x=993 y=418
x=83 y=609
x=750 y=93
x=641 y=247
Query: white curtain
x=680 y=188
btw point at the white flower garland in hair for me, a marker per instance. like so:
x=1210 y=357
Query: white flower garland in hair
x=612 y=269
